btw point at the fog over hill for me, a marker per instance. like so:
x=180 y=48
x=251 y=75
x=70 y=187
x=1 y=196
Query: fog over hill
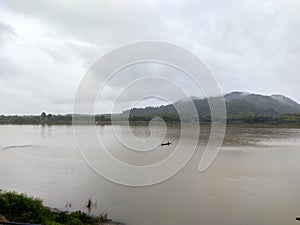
x=237 y=103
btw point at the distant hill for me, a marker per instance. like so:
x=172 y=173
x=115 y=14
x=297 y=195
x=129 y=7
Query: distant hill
x=242 y=102
x=242 y=107
x=238 y=104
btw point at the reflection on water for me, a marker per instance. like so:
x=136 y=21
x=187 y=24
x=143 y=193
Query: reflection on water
x=245 y=136
x=254 y=180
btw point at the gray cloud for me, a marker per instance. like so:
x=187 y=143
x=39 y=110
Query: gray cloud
x=6 y=30
x=46 y=46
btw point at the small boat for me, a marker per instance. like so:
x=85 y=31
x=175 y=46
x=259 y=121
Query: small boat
x=167 y=143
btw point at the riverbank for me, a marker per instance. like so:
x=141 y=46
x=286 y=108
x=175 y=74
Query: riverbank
x=49 y=119
x=21 y=208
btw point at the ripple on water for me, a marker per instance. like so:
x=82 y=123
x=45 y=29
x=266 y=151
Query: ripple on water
x=18 y=147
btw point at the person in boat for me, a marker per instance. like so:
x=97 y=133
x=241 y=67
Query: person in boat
x=168 y=143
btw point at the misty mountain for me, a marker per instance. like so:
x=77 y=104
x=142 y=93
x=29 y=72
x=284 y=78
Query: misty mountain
x=242 y=102
x=237 y=104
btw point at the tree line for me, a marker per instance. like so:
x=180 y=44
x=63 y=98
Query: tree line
x=49 y=119
x=36 y=119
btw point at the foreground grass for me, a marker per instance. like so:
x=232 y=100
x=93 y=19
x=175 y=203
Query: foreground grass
x=21 y=208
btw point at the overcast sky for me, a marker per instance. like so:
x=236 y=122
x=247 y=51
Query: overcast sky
x=47 y=46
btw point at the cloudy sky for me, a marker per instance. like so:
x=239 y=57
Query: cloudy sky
x=46 y=47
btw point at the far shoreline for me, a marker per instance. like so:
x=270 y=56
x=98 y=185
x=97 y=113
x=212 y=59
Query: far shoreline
x=142 y=123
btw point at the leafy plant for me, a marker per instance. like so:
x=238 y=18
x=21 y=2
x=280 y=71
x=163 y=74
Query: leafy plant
x=21 y=208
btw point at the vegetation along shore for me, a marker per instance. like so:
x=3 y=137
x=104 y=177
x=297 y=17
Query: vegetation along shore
x=21 y=208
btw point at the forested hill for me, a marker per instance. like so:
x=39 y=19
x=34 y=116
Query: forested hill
x=241 y=108
x=241 y=102
x=238 y=105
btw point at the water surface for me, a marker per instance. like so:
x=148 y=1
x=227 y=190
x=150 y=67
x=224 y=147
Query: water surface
x=254 y=180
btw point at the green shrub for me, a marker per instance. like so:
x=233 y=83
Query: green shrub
x=21 y=208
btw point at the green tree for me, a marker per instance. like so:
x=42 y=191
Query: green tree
x=43 y=115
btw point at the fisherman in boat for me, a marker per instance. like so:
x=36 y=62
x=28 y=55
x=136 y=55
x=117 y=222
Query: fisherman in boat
x=168 y=143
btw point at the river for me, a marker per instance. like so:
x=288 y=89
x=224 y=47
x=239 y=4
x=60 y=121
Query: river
x=254 y=180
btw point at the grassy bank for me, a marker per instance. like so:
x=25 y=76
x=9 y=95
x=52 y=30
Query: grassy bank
x=21 y=208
